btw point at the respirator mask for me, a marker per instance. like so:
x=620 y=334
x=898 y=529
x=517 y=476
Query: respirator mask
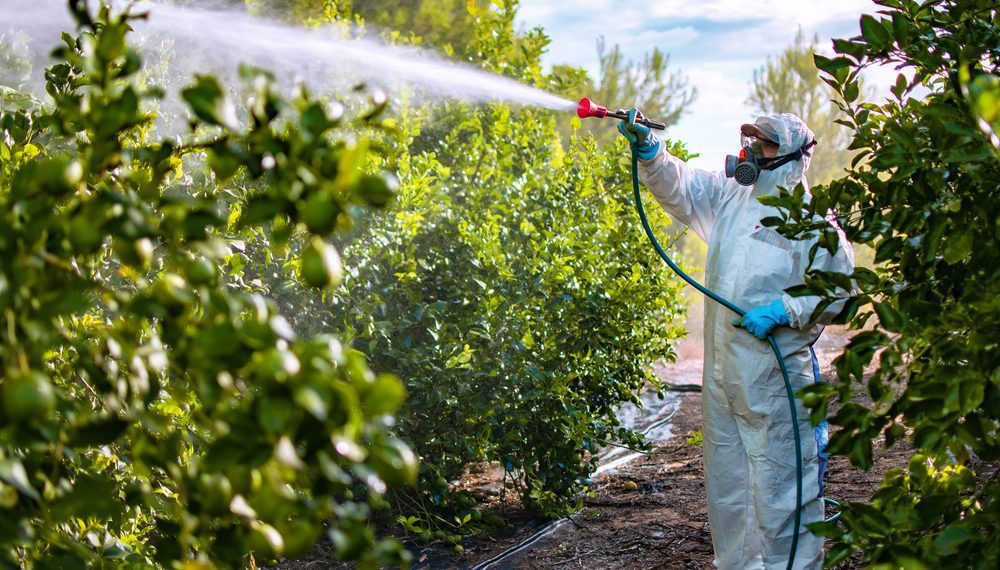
x=746 y=167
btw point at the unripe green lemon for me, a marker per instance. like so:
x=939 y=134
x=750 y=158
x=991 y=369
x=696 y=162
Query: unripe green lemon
x=216 y=492
x=137 y=253
x=378 y=189
x=201 y=271
x=84 y=235
x=65 y=175
x=321 y=265
x=172 y=290
x=240 y=478
x=300 y=537
x=29 y=397
x=395 y=463
x=810 y=400
x=319 y=212
x=265 y=542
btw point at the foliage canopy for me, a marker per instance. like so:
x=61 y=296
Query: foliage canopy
x=923 y=192
x=504 y=245
x=154 y=410
x=157 y=406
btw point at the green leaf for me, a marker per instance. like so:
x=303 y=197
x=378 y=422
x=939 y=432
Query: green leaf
x=383 y=396
x=275 y=414
x=958 y=246
x=12 y=472
x=868 y=341
x=889 y=317
x=91 y=496
x=902 y=27
x=887 y=249
x=865 y=276
x=900 y=87
x=876 y=32
x=831 y=65
x=773 y=201
x=260 y=209
x=224 y=161
x=801 y=290
x=312 y=401
x=314 y=119
x=952 y=538
x=850 y=309
x=854 y=49
x=99 y=432
x=851 y=91
x=209 y=103
x=837 y=554
x=461 y=359
x=350 y=166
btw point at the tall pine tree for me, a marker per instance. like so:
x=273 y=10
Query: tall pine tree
x=791 y=84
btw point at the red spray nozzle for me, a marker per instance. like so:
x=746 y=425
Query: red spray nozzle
x=588 y=108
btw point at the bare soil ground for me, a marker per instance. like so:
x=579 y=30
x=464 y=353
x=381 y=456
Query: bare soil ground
x=648 y=513
x=663 y=522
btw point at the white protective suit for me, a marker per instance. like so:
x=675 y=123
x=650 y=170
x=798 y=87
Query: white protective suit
x=748 y=442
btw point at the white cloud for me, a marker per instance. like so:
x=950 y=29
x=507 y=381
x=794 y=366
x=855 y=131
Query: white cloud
x=534 y=12
x=711 y=126
x=808 y=14
x=666 y=39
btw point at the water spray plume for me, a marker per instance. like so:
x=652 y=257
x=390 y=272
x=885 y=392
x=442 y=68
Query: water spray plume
x=587 y=108
x=189 y=40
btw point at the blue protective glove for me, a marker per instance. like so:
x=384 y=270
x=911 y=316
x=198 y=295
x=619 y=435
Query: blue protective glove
x=643 y=143
x=761 y=321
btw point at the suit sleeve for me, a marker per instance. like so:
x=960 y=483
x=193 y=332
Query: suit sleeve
x=691 y=195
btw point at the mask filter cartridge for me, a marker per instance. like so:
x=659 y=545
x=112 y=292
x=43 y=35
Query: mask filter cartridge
x=743 y=167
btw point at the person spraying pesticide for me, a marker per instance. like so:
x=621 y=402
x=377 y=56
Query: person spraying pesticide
x=764 y=480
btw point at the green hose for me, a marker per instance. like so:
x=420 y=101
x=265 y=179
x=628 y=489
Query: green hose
x=770 y=339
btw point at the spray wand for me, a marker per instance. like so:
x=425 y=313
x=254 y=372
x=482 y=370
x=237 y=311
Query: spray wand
x=588 y=108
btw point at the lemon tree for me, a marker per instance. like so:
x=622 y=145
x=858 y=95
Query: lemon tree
x=512 y=291
x=923 y=193
x=157 y=410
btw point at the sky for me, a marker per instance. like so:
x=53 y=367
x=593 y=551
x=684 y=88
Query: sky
x=717 y=44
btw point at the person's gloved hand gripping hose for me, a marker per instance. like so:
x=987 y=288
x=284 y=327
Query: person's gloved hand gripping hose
x=761 y=321
x=643 y=143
